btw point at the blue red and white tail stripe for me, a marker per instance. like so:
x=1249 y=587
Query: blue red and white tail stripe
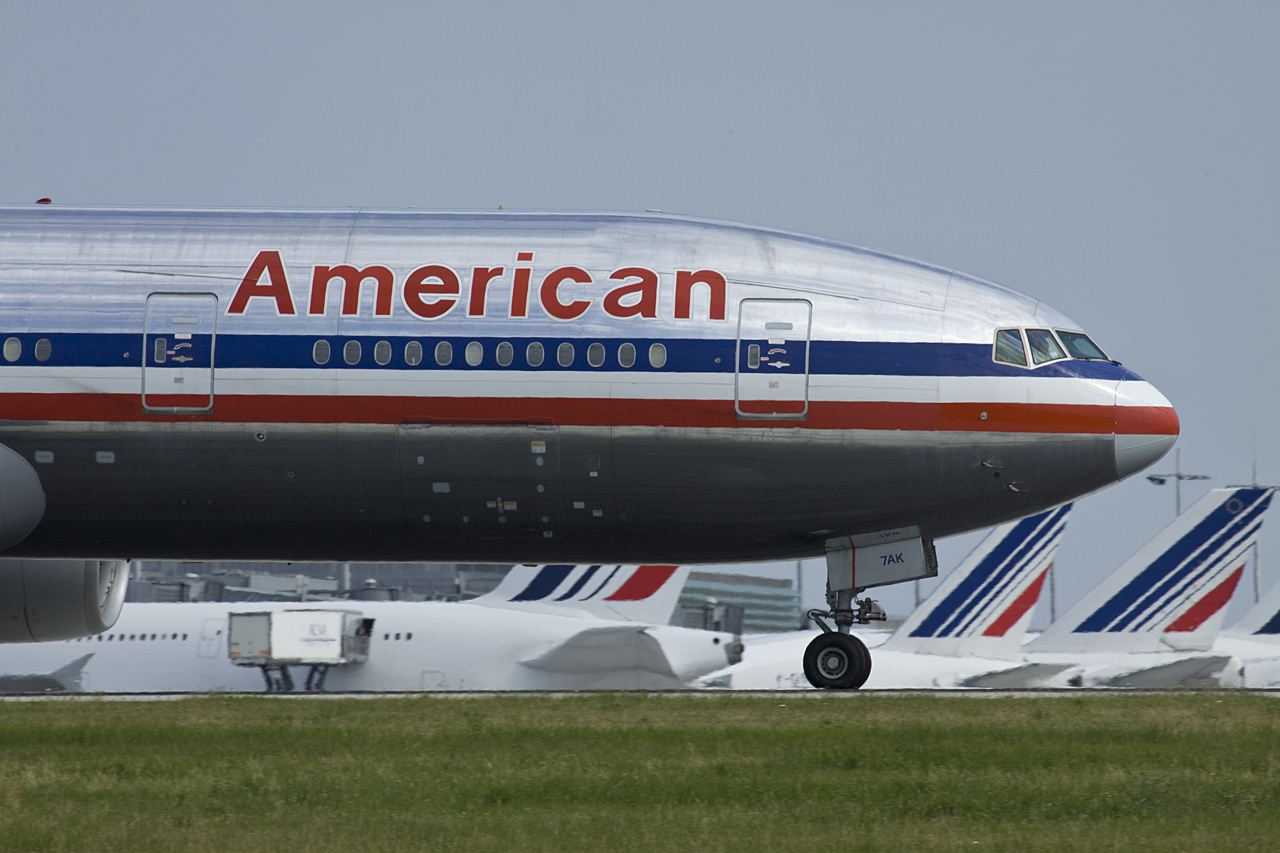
x=645 y=593
x=1173 y=593
x=1262 y=622
x=983 y=607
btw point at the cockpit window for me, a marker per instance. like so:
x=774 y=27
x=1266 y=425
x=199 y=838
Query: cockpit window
x=1080 y=346
x=1009 y=349
x=1044 y=347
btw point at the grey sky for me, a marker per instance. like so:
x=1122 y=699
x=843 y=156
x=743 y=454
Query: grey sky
x=1118 y=161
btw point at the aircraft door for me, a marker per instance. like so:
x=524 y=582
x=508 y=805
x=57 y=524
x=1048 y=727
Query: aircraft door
x=210 y=638
x=772 y=369
x=177 y=352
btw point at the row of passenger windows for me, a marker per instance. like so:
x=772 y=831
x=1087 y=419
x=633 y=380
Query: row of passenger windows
x=13 y=349
x=1045 y=345
x=505 y=354
x=123 y=637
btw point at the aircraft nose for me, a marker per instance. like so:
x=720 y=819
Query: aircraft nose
x=1146 y=427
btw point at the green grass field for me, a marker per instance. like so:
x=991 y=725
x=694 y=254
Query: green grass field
x=636 y=772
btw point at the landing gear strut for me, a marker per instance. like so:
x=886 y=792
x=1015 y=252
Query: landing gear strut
x=835 y=660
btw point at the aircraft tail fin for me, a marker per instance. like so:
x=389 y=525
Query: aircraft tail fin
x=1173 y=593
x=1262 y=622
x=984 y=606
x=625 y=593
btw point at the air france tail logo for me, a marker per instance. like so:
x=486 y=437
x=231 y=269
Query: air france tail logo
x=587 y=586
x=1191 y=569
x=433 y=290
x=980 y=604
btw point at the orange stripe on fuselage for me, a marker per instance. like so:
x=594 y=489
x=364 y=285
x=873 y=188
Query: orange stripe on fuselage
x=915 y=417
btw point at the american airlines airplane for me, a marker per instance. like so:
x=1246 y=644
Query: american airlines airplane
x=565 y=628
x=519 y=387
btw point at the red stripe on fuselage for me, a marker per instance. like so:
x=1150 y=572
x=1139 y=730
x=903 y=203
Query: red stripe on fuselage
x=300 y=409
x=1146 y=420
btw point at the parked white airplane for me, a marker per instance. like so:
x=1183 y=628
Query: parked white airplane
x=1154 y=622
x=499 y=386
x=979 y=614
x=563 y=628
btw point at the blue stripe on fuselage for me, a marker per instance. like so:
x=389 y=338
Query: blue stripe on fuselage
x=683 y=355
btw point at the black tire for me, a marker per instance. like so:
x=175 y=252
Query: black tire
x=837 y=662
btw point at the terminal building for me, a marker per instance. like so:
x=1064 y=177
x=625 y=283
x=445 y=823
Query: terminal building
x=766 y=605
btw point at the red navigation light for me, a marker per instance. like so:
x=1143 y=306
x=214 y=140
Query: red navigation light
x=44 y=201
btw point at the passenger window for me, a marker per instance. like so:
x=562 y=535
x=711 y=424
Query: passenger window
x=1009 y=349
x=1077 y=343
x=351 y=352
x=595 y=355
x=627 y=355
x=658 y=355
x=505 y=354
x=475 y=353
x=564 y=354
x=534 y=354
x=12 y=349
x=382 y=352
x=1044 y=346
x=753 y=356
x=320 y=352
x=444 y=353
x=413 y=353
x=161 y=350
x=43 y=349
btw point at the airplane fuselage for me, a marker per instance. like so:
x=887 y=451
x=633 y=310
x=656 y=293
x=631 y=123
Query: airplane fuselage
x=523 y=387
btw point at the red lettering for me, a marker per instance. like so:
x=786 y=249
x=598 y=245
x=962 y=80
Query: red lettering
x=520 y=288
x=352 y=278
x=684 y=292
x=416 y=286
x=549 y=294
x=646 y=288
x=251 y=286
x=480 y=278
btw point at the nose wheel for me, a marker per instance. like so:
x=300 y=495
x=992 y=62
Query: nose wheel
x=835 y=661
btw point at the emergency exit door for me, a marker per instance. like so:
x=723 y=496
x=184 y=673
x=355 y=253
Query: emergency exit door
x=772 y=370
x=178 y=350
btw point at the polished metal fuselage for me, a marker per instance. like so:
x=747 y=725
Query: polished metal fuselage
x=886 y=413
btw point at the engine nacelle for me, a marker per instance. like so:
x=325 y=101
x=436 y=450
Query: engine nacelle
x=44 y=600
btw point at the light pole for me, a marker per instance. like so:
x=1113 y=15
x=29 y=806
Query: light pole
x=1177 y=476
x=1257 y=580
